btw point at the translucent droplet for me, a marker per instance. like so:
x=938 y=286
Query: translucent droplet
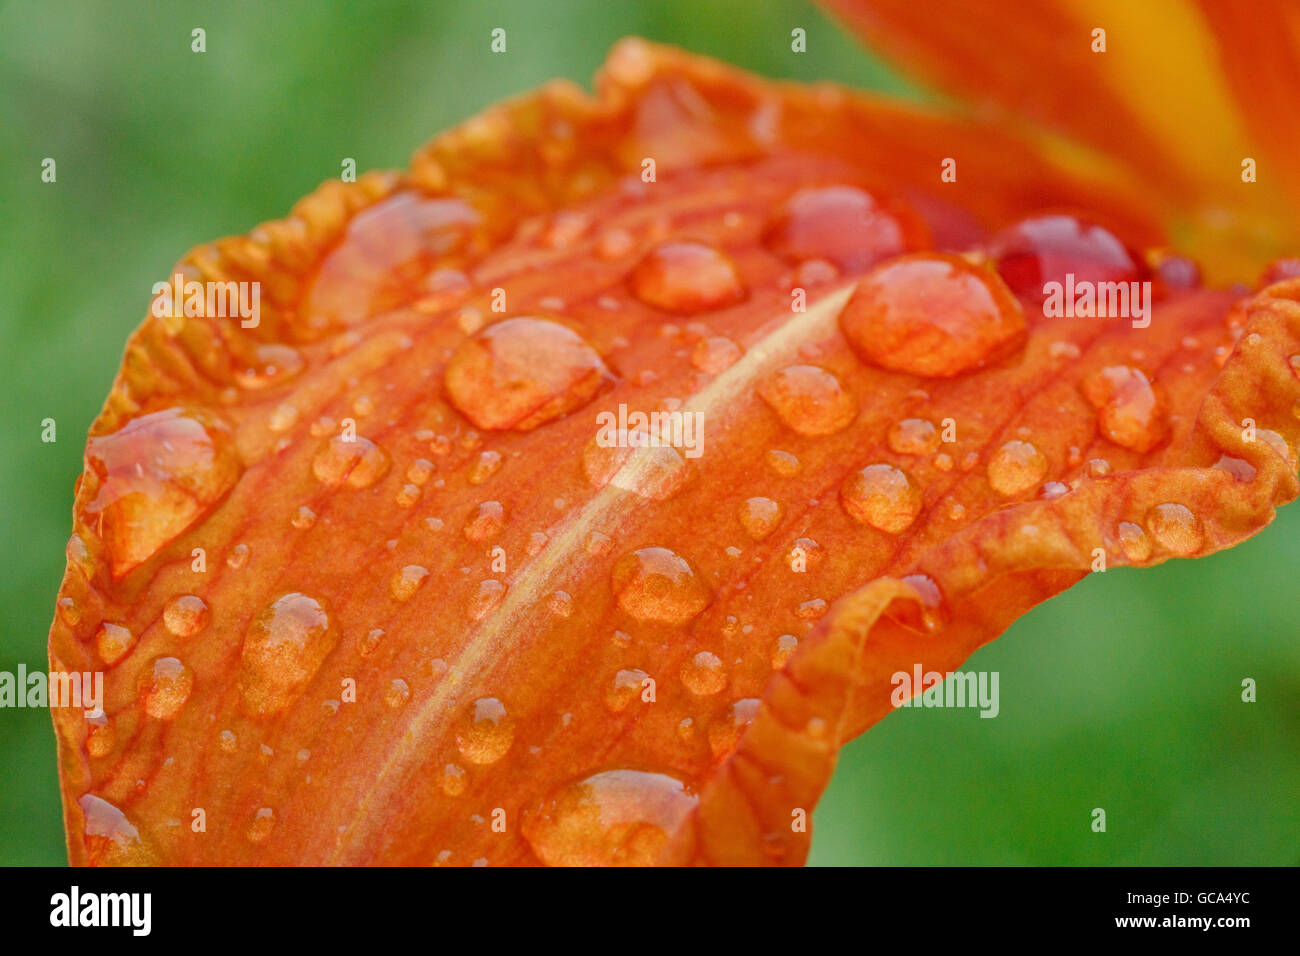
x=703 y=674
x=523 y=372
x=715 y=354
x=625 y=688
x=637 y=462
x=454 y=780
x=882 y=496
x=782 y=462
x=109 y=837
x=260 y=827
x=165 y=687
x=358 y=463
x=272 y=364
x=810 y=400
x=726 y=731
x=489 y=595
x=304 y=518
x=1134 y=541
x=113 y=642
x=487 y=521
x=1176 y=528
x=845 y=225
x=155 y=478
x=185 y=615
x=101 y=738
x=1130 y=410
x=227 y=741
x=759 y=517
x=403 y=585
x=1043 y=249
x=932 y=314
x=1016 y=467
x=782 y=648
x=397 y=694
x=615 y=818
x=486 y=732
x=913 y=436
x=283 y=649
x=656 y=584
x=686 y=277
x=487 y=465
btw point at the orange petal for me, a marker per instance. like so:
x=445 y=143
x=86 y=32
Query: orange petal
x=1182 y=94
x=405 y=578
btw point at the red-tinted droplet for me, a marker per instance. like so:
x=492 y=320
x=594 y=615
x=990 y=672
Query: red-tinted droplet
x=1045 y=248
x=845 y=225
x=932 y=314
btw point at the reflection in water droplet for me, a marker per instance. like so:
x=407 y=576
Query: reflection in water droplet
x=882 y=496
x=284 y=647
x=486 y=732
x=487 y=522
x=615 y=818
x=523 y=372
x=656 y=584
x=165 y=688
x=1016 y=467
x=154 y=478
x=1134 y=541
x=809 y=400
x=686 y=277
x=932 y=314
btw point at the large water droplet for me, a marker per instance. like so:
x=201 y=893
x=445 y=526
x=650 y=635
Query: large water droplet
x=845 y=225
x=1131 y=412
x=882 y=496
x=523 y=372
x=1016 y=467
x=156 y=477
x=656 y=584
x=625 y=688
x=686 y=277
x=932 y=314
x=1176 y=528
x=1042 y=249
x=809 y=400
x=486 y=732
x=283 y=649
x=615 y=818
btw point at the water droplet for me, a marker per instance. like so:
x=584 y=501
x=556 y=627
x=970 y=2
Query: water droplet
x=656 y=471
x=284 y=647
x=913 y=436
x=1176 y=528
x=847 y=226
x=185 y=615
x=487 y=465
x=110 y=838
x=759 y=517
x=882 y=496
x=703 y=674
x=715 y=354
x=283 y=418
x=260 y=827
x=1239 y=468
x=656 y=584
x=782 y=648
x=1016 y=467
x=932 y=314
x=69 y=613
x=686 y=277
x=227 y=741
x=523 y=372
x=1134 y=541
x=272 y=364
x=165 y=688
x=303 y=518
x=489 y=595
x=454 y=780
x=1043 y=249
x=397 y=694
x=238 y=556
x=809 y=400
x=113 y=642
x=560 y=603
x=155 y=478
x=1131 y=412
x=403 y=585
x=419 y=471
x=487 y=522
x=726 y=731
x=101 y=738
x=625 y=689
x=782 y=462
x=358 y=463
x=615 y=818
x=486 y=732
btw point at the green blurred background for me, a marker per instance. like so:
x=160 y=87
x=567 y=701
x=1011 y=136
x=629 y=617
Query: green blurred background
x=1124 y=693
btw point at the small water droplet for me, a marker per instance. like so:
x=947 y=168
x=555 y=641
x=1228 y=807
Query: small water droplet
x=489 y=595
x=101 y=738
x=113 y=642
x=703 y=674
x=285 y=645
x=1176 y=528
x=165 y=688
x=486 y=523
x=1016 y=467
x=185 y=615
x=109 y=837
x=913 y=436
x=686 y=277
x=759 y=517
x=1131 y=412
x=227 y=741
x=782 y=648
x=454 y=780
x=397 y=694
x=810 y=400
x=260 y=827
x=636 y=461
x=782 y=462
x=715 y=354
x=403 y=585
x=487 y=465
x=882 y=496
x=358 y=463
x=726 y=731
x=625 y=688
x=486 y=732
x=656 y=584
x=1134 y=541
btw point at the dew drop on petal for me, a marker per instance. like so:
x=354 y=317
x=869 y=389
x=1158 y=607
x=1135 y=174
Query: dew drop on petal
x=113 y=642
x=615 y=818
x=1134 y=541
x=261 y=825
x=782 y=648
x=154 y=478
x=846 y=226
x=637 y=462
x=656 y=584
x=625 y=688
x=1131 y=410
x=110 y=838
x=487 y=521
x=703 y=674
x=810 y=400
x=454 y=780
x=759 y=517
x=715 y=354
x=726 y=731
x=489 y=595
x=913 y=436
x=283 y=649
x=882 y=496
x=403 y=585
x=1042 y=249
x=782 y=462
x=101 y=738
x=358 y=463
x=186 y=615
x=523 y=372
x=165 y=687
x=487 y=465
x=397 y=694
x=1016 y=467
x=486 y=731
x=932 y=314
x=686 y=277
x=1176 y=528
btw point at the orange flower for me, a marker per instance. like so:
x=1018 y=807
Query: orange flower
x=573 y=497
